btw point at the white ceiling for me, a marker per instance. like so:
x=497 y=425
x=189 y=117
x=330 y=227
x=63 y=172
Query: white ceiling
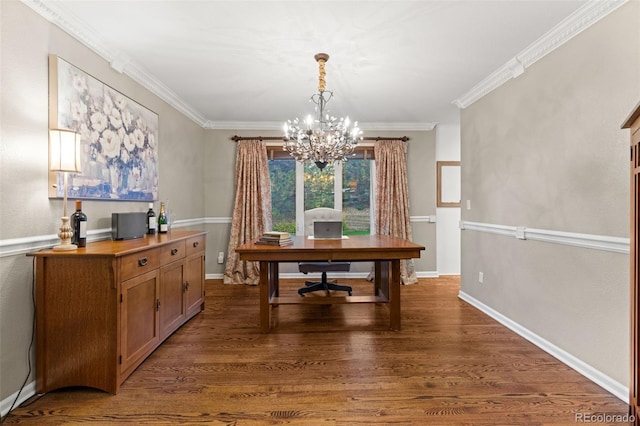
x=393 y=63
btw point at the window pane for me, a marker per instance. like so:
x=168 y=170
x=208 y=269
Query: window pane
x=356 y=196
x=283 y=195
x=318 y=186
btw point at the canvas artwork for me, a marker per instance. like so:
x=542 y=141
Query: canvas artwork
x=119 y=137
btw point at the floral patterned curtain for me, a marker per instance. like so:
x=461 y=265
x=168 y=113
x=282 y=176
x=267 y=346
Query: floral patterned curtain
x=251 y=211
x=392 y=198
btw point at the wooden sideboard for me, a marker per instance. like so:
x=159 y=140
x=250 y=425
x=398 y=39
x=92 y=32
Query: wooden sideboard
x=101 y=310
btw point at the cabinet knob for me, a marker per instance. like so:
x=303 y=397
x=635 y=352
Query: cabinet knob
x=196 y=244
x=142 y=261
x=174 y=251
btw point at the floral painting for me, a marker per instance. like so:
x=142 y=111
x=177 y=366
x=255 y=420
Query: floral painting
x=119 y=137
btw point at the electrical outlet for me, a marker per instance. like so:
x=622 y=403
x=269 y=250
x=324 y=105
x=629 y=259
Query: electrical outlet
x=481 y=277
x=221 y=257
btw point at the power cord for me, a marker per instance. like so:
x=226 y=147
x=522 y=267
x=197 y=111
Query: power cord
x=33 y=335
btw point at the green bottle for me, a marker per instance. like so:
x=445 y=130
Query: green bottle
x=163 y=223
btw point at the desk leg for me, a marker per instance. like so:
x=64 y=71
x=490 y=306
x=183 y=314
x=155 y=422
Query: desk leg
x=382 y=278
x=394 y=295
x=274 y=282
x=265 y=289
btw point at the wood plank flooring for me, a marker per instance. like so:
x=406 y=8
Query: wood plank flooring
x=338 y=365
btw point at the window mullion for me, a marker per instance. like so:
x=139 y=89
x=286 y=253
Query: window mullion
x=337 y=186
x=299 y=198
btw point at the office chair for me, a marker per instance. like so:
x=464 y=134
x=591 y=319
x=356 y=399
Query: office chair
x=322 y=214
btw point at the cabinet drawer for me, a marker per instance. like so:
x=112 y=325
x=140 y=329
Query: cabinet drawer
x=172 y=252
x=196 y=244
x=139 y=263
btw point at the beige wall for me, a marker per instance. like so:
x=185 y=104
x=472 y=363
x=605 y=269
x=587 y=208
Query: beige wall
x=25 y=209
x=545 y=151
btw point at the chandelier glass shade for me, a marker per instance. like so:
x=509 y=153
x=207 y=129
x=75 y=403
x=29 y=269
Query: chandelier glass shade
x=324 y=139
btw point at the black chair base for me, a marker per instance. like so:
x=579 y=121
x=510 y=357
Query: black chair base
x=323 y=285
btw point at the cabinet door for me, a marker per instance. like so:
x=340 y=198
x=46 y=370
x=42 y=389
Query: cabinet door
x=139 y=316
x=172 y=288
x=195 y=285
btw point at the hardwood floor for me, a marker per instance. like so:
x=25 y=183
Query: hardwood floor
x=338 y=365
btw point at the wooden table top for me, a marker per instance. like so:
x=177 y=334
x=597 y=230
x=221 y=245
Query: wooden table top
x=360 y=247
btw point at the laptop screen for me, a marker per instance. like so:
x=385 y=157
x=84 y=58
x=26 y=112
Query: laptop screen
x=327 y=230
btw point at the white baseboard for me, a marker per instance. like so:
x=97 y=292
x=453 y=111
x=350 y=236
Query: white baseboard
x=596 y=376
x=27 y=392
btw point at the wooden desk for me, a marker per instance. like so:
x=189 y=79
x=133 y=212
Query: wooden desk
x=384 y=251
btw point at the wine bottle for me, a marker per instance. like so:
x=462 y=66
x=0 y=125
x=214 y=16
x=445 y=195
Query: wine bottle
x=163 y=224
x=151 y=220
x=79 y=226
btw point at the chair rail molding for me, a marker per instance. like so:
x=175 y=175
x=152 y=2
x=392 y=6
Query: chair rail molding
x=591 y=241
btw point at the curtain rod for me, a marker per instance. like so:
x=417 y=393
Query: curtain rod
x=237 y=138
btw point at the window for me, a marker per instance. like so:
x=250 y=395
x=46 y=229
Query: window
x=345 y=186
x=282 y=174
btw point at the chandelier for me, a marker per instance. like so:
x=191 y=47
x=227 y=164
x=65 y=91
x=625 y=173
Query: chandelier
x=326 y=138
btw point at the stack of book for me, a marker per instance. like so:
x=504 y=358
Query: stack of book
x=275 y=238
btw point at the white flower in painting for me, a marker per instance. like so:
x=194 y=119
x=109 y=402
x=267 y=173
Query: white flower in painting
x=141 y=124
x=94 y=136
x=107 y=107
x=128 y=143
x=152 y=140
x=79 y=83
x=121 y=101
x=115 y=118
x=127 y=118
x=96 y=105
x=99 y=121
x=78 y=111
x=85 y=132
x=138 y=138
x=110 y=142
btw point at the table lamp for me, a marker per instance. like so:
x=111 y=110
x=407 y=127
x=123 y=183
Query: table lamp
x=64 y=156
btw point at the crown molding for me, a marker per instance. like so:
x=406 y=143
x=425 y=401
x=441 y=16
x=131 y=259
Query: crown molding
x=244 y=125
x=60 y=16
x=574 y=24
x=399 y=127
x=53 y=12
x=277 y=125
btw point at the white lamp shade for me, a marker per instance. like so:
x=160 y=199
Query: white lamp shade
x=64 y=151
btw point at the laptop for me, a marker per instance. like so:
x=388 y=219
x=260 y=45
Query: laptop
x=327 y=230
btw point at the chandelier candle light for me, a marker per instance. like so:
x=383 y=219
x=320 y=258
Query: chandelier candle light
x=325 y=139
